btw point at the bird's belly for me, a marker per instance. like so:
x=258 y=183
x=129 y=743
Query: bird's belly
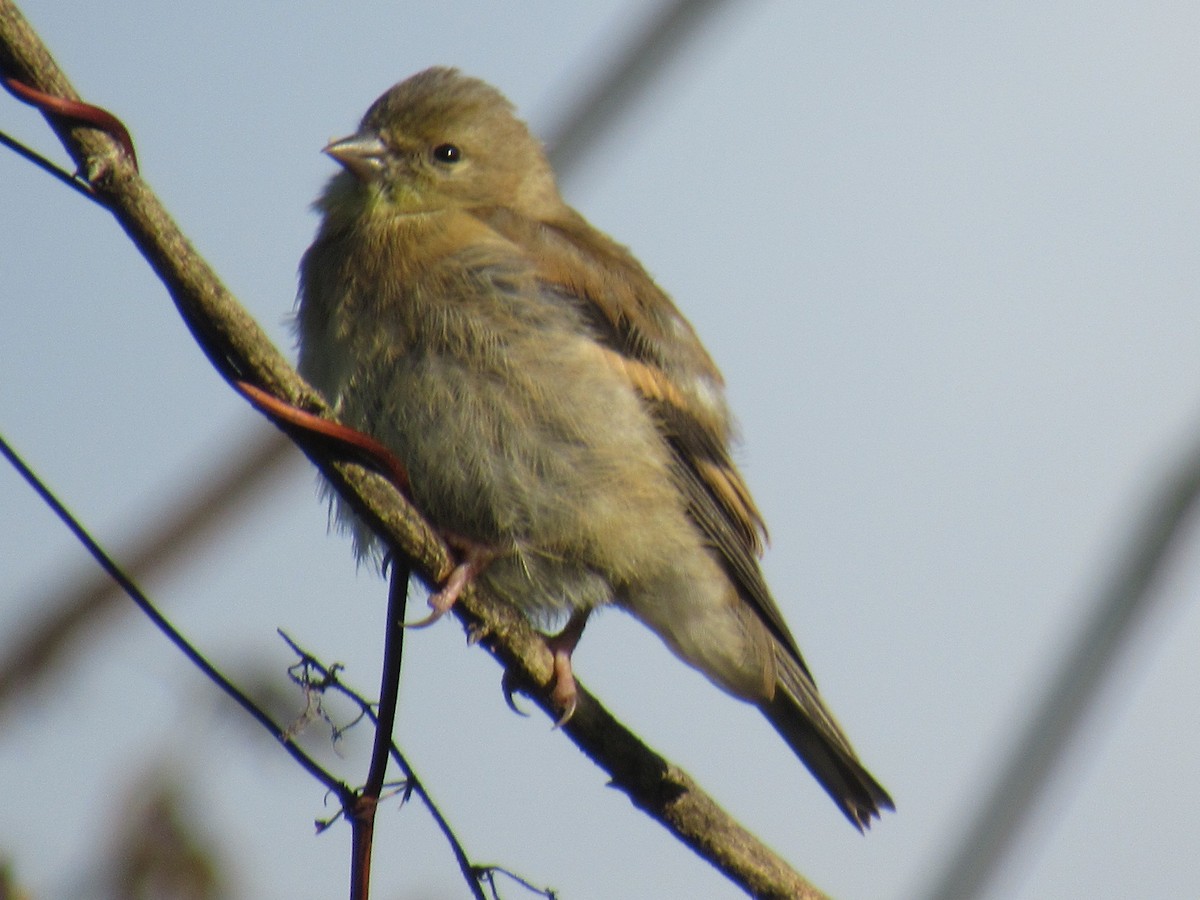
x=561 y=473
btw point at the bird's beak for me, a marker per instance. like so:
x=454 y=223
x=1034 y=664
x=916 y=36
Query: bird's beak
x=362 y=154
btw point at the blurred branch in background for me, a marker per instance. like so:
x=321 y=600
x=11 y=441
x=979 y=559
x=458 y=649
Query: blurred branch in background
x=1116 y=620
x=648 y=51
x=163 y=846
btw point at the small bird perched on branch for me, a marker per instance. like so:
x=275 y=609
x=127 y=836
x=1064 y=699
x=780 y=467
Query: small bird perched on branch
x=558 y=417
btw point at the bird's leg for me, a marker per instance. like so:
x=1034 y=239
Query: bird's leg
x=562 y=645
x=563 y=692
x=475 y=558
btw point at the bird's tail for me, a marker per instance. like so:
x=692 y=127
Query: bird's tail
x=801 y=718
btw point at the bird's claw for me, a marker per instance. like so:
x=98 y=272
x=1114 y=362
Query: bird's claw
x=440 y=603
x=563 y=692
x=565 y=695
x=508 y=684
x=475 y=559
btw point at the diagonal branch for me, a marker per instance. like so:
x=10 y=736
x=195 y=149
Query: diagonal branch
x=238 y=348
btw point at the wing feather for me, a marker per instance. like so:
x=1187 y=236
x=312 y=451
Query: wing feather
x=643 y=335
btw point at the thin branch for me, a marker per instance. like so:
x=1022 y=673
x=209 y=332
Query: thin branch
x=74 y=611
x=488 y=874
x=238 y=348
x=162 y=624
x=358 y=806
x=363 y=816
x=331 y=681
x=74 y=182
x=389 y=689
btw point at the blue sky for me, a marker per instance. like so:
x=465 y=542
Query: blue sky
x=945 y=255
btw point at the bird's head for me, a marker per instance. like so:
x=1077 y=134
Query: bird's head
x=438 y=141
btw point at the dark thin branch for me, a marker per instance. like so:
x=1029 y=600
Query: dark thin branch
x=73 y=611
x=488 y=874
x=359 y=807
x=363 y=817
x=389 y=689
x=72 y=181
x=162 y=624
x=238 y=348
x=331 y=681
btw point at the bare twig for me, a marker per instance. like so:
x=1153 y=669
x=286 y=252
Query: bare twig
x=360 y=806
x=92 y=594
x=331 y=681
x=363 y=814
x=488 y=875
x=117 y=574
x=74 y=182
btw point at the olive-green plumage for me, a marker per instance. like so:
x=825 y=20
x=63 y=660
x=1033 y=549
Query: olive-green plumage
x=548 y=399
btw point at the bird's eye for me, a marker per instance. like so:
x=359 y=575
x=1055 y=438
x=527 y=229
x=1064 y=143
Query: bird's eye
x=447 y=153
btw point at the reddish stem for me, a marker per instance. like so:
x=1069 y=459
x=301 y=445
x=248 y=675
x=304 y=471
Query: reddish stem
x=74 y=111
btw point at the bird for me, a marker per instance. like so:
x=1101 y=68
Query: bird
x=558 y=417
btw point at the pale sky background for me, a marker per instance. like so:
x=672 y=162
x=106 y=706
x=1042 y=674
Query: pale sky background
x=946 y=256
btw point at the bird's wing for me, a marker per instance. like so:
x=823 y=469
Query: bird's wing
x=645 y=337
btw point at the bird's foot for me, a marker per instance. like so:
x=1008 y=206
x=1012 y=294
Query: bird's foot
x=565 y=694
x=475 y=558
